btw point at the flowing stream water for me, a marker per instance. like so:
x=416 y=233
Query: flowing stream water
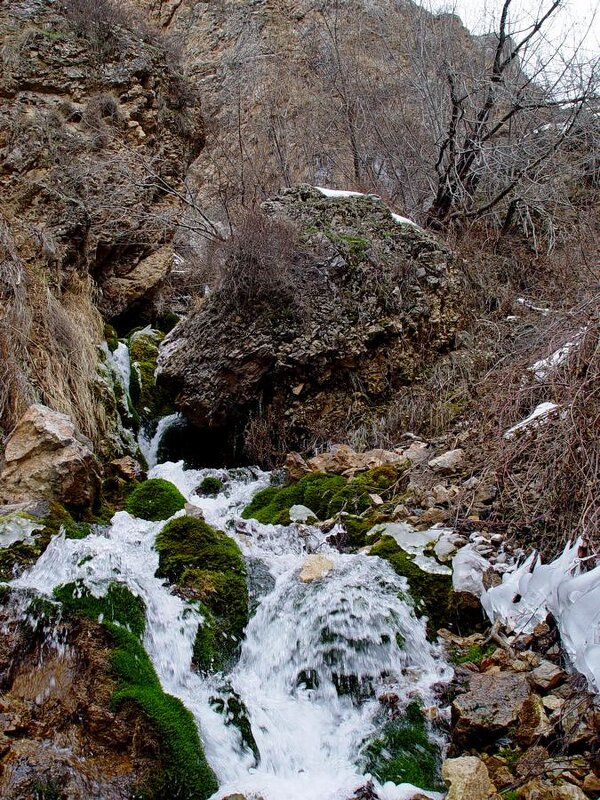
x=301 y=638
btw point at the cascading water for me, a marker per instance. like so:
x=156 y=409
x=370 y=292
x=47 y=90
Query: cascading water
x=310 y=648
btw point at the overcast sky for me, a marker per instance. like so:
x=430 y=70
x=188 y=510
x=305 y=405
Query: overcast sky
x=570 y=23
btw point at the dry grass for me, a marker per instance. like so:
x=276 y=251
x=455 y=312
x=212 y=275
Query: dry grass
x=549 y=474
x=48 y=344
x=261 y=264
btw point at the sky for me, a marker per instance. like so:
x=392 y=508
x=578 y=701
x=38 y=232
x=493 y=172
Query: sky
x=578 y=20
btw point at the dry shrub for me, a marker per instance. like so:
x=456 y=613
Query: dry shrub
x=261 y=266
x=96 y=21
x=549 y=473
x=265 y=439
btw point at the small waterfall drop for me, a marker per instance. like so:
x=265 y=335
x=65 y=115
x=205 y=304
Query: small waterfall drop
x=310 y=648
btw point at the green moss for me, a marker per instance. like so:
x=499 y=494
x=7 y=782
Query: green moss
x=473 y=655
x=155 y=499
x=186 y=543
x=432 y=593
x=149 y=400
x=210 y=486
x=510 y=754
x=112 y=337
x=326 y=495
x=185 y=772
x=356 y=529
x=209 y=565
x=235 y=713
x=404 y=753
x=118 y=605
x=42 y=790
x=225 y=595
x=353 y=246
x=206 y=656
x=167 y=321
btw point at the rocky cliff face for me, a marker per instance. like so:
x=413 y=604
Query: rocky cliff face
x=357 y=306
x=97 y=128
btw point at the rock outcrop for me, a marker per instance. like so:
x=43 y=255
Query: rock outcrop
x=47 y=458
x=97 y=129
x=368 y=304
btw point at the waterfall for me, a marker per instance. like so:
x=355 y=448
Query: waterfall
x=303 y=643
x=149 y=443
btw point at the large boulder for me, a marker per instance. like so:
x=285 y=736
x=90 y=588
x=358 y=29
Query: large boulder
x=357 y=306
x=46 y=457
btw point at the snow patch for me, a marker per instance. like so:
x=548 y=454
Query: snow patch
x=537 y=414
x=415 y=543
x=15 y=528
x=343 y=193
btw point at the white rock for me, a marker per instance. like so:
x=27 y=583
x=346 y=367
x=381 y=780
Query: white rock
x=316 y=566
x=300 y=513
x=447 y=462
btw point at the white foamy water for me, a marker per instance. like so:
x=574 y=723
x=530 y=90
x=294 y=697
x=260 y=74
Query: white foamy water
x=304 y=642
x=150 y=442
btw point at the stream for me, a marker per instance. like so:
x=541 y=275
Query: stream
x=301 y=638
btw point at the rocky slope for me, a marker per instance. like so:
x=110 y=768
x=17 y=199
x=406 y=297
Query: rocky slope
x=97 y=127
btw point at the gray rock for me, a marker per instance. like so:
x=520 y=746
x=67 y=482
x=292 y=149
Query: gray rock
x=47 y=458
x=490 y=707
x=447 y=462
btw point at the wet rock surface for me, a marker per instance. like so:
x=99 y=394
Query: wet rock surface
x=58 y=732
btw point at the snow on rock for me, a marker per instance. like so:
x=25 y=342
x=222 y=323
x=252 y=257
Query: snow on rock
x=334 y=193
x=300 y=513
x=17 y=528
x=403 y=220
x=468 y=568
x=538 y=412
x=339 y=192
x=542 y=368
x=561 y=588
x=415 y=543
x=528 y=304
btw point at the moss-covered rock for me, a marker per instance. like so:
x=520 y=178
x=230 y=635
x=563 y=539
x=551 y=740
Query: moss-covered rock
x=111 y=337
x=185 y=773
x=149 y=400
x=404 y=753
x=225 y=594
x=118 y=605
x=155 y=499
x=326 y=495
x=208 y=567
x=210 y=486
x=432 y=593
x=189 y=543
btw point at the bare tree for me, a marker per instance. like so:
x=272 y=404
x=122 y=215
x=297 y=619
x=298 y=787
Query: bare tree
x=506 y=126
